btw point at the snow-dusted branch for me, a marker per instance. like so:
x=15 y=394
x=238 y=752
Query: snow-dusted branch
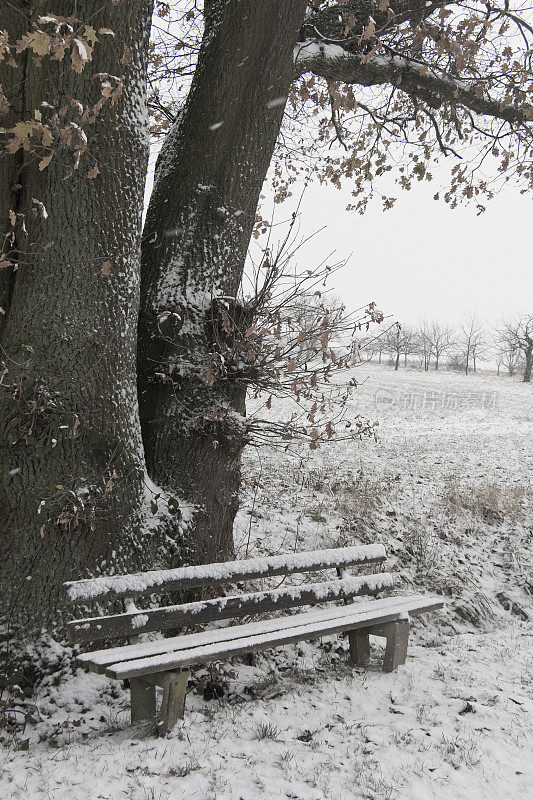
x=333 y=62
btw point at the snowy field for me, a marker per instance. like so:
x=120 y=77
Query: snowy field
x=447 y=489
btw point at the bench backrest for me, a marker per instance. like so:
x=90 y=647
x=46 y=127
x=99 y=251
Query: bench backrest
x=134 y=621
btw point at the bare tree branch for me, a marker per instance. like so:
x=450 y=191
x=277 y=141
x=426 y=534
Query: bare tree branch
x=424 y=83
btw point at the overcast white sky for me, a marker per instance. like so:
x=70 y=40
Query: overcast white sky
x=421 y=258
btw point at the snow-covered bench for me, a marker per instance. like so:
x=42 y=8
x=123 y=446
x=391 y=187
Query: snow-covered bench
x=163 y=662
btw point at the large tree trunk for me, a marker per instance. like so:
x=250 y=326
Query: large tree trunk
x=529 y=365
x=71 y=487
x=200 y=218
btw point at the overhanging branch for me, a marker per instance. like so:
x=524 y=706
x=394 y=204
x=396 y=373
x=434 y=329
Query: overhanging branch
x=334 y=63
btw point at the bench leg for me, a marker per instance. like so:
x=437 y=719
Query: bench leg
x=359 y=648
x=173 y=707
x=397 y=635
x=142 y=700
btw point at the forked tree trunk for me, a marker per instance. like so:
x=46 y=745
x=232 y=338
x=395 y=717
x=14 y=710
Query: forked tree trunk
x=200 y=218
x=71 y=453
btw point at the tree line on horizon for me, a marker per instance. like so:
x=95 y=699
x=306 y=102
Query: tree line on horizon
x=432 y=344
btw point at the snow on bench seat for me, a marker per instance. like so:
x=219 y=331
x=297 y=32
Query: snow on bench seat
x=255 y=639
x=168 y=617
x=98 y=660
x=161 y=663
x=156 y=581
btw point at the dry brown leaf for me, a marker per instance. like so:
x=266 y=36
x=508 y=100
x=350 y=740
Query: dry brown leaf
x=38 y=41
x=79 y=55
x=43 y=163
x=371 y=53
x=126 y=56
x=370 y=29
x=109 y=484
x=40 y=208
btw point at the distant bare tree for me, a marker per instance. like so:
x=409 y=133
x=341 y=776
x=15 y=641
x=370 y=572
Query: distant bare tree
x=400 y=341
x=363 y=347
x=408 y=343
x=441 y=340
x=520 y=335
x=510 y=358
x=456 y=360
x=473 y=342
x=506 y=350
x=379 y=347
x=423 y=344
x=395 y=343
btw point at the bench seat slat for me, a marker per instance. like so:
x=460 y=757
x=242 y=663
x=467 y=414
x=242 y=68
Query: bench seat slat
x=358 y=618
x=157 y=581
x=98 y=660
x=168 y=617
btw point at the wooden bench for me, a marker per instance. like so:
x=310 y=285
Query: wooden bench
x=164 y=662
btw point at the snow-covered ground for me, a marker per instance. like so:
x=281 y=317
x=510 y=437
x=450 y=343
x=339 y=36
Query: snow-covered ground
x=448 y=490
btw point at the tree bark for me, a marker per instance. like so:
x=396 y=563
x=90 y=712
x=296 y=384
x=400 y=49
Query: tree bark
x=13 y=20
x=529 y=365
x=71 y=490
x=200 y=218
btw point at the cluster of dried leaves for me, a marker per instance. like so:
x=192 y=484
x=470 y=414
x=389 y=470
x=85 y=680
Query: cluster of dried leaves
x=300 y=342
x=463 y=52
x=55 y=128
x=288 y=338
